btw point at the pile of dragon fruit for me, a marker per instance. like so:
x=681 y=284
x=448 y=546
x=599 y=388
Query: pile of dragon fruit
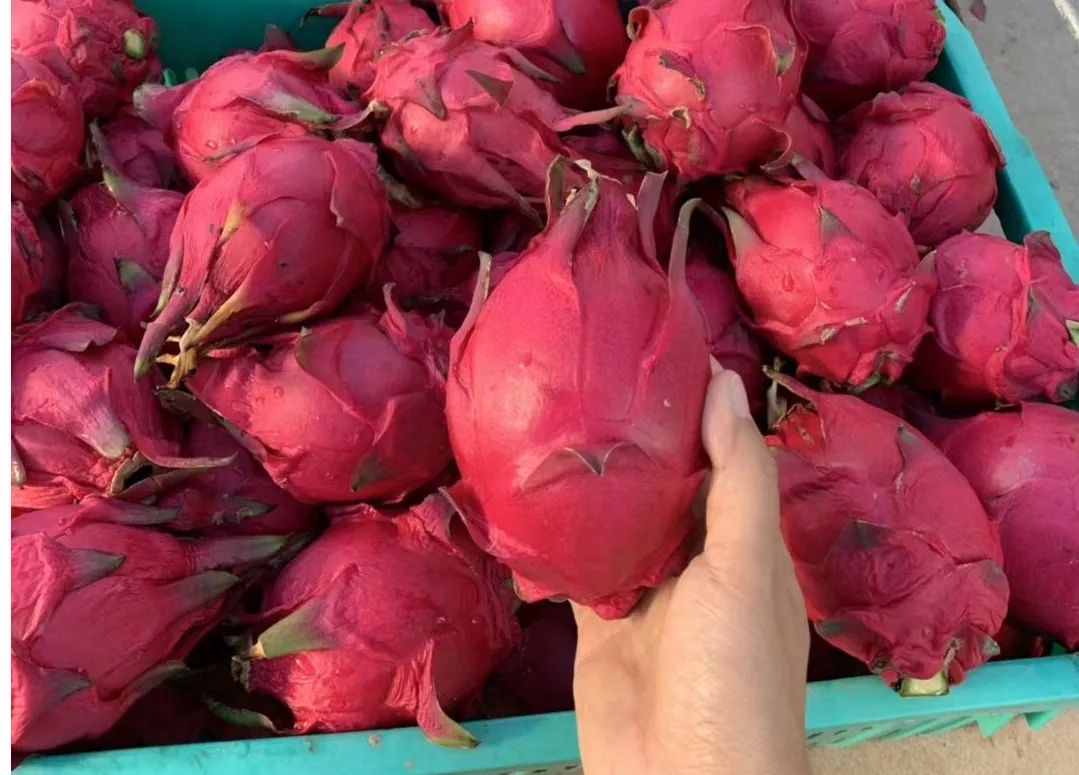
x=336 y=373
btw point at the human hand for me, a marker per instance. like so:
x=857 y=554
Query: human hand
x=708 y=674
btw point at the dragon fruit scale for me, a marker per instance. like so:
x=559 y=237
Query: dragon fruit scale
x=1024 y=465
x=860 y=48
x=927 y=156
x=247 y=99
x=1005 y=323
x=831 y=278
x=707 y=84
x=811 y=136
x=897 y=559
x=103 y=48
x=366 y=29
x=47 y=134
x=241 y=255
x=104 y=608
x=574 y=403
x=338 y=654
x=347 y=411
x=580 y=42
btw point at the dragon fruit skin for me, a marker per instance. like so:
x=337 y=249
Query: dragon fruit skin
x=104 y=607
x=80 y=424
x=47 y=134
x=139 y=151
x=103 y=48
x=926 y=156
x=340 y=658
x=1024 y=465
x=241 y=257
x=860 y=48
x=247 y=99
x=580 y=42
x=365 y=31
x=118 y=246
x=347 y=411
x=898 y=562
x=1005 y=323
x=37 y=265
x=831 y=278
x=811 y=136
x=578 y=465
x=709 y=83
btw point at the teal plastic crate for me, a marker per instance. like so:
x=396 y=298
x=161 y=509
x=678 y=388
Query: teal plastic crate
x=839 y=713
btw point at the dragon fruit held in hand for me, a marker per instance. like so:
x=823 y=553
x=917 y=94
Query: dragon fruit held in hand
x=47 y=134
x=241 y=257
x=349 y=410
x=103 y=48
x=860 y=48
x=1005 y=323
x=138 y=151
x=104 y=607
x=1024 y=465
x=811 y=136
x=579 y=42
x=37 y=266
x=899 y=564
x=466 y=120
x=118 y=245
x=247 y=99
x=927 y=156
x=832 y=279
x=382 y=621
x=708 y=84
x=574 y=404
x=367 y=28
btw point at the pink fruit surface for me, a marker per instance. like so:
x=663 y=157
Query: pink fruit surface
x=138 y=151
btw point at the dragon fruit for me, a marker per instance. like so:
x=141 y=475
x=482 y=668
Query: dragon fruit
x=707 y=84
x=118 y=244
x=579 y=42
x=831 y=278
x=537 y=676
x=103 y=48
x=811 y=136
x=926 y=156
x=37 y=266
x=729 y=340
x=247 y=99
x=1005 y=323
x=467 y=121
x=898 y=561
x=338 y=654
x=1024 y=465
x=349 y=410
x=241 y=257
x=860 y=48
x=79 y=424
x=138 y=151
x=574 y=402
x=47 y=134
x=104 y=607
x=366 y=29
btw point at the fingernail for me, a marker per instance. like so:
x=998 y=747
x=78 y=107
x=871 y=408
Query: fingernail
x=735 y=394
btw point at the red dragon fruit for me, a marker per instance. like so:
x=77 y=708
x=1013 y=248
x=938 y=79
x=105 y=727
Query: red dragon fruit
x=138 y=151
x=47 y=134
x=579 y=42
x=366 y=29
x=811 y=136
x=574 y=403
x=465 y=120
x=831 y=278
x=118 y=244
x=708 y=84
x=103 y=48
x=859 y=48
x=1024 y=465
x=241 y=256
x=80 y=425
x=926 y=156
x=37 y=266
x=104 y=608
x=347 y=411
x=899 y=564
x=247 y=99
x=729 y=340
x=1005 y=323
x=338 y=654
